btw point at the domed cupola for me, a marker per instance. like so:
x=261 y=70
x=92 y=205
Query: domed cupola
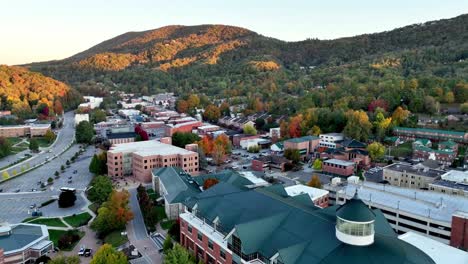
x=355 y=223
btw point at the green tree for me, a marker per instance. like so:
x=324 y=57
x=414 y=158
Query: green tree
x=50 y=136
x=101 y=188
x=107 y=254
x=212 y=113
x=5 y=175
x=178 y=255
x=97 y=115
x=168 y=245
x=33 y=144
x=293 y=155
x=60 y=259
x=114 y=214
x=180 y=139
x=376 y=151
x=314 y=182
x=464 y=108
x=5 y=147
x=84 y=132
x=317 y=164
x=249 y=130
x=98 y=163
x=358 y=125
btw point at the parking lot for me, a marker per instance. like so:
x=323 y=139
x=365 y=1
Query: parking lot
x=14 y=206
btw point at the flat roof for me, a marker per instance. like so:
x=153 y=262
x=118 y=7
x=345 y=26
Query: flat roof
x=208 y=126
x=401 y=167
x=450 y=184
x=404 y=199
x=455 y=176
x=339 y=162
x=183 y=124
x=439 y=252
x=298 y=189
x=149 y=147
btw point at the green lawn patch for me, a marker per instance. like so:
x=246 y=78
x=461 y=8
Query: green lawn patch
x=167 y=224
x=43 y=143
x=14 y=140
x=54 y=236
x=115 y=238
x=403 y=150
x=49 y=222
x=29 y=219
x=78 y=220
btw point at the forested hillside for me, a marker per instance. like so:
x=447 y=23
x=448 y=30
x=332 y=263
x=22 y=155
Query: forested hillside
x=417 y=67
x=22 y=92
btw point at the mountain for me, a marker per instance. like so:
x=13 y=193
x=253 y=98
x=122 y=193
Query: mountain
x=226 y=61
x=22 y=91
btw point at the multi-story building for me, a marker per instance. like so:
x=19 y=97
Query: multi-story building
x=329 y=140
x=338 y=167
x=176 y=186
x=433 y=134
x=91 y=102
x=410 y=176
x=306 y=145
x=265 y=225
x=81 y=117
x=452 y=182
x=23 y=243
x=443 y=156
x=30 y=130
x=439 y=216
x=270 y=162
x=140 y=158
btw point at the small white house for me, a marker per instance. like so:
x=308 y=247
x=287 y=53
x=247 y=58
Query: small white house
x=81 y=117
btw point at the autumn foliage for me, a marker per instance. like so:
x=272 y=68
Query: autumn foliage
x=209 y=183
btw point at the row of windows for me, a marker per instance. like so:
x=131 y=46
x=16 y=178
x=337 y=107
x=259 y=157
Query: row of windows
x=335 y=165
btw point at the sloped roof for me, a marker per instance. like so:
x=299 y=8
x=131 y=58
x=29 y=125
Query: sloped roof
x=352 y=143
x=302 y=139
x=355 y=210
x=268 y=222
x=21 y=235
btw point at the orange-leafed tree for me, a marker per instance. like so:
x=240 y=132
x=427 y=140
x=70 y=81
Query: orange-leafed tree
x=295 y=126
x=218 y=154
x=224 y=141
x=209 y=183
x=206 y=144
x=58 y=108
x=182 y=106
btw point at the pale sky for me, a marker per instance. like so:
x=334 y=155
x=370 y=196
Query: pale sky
x=39 y=30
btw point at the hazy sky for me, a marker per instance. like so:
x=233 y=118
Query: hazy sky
x=38 y=30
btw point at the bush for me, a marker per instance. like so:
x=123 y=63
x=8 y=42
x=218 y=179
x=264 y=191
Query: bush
x=68 y=239
x=66 y=199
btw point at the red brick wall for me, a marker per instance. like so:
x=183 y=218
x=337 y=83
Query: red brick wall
x=346 y=171
x=459 y=233
x=184 y=240
x=257 y=165
x=2 y=258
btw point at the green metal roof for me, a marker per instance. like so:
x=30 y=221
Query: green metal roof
x=268 y=222
x=302 y=139
x=391 y=139
x=423 y=141
x=21 y=235
x=355 y=210
x=440 y=151
x=428 y=130
x=448 y=143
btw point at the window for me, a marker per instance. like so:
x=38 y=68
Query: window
x=200 y=236
x=210 y=244
x=165 y=160
x=236 y=245
x=189 y=228
x=222 y=253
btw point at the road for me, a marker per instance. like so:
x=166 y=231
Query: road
x=137 y=235
x=65 y=138
x=14 y=207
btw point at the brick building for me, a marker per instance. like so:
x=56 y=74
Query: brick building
x=270 y=162
x=31 y=130
x=306 y=145
x=223 y=225
x=433 y=134
x=338 y=167
x=170 y=129
x=140 y=158
x=459 y=238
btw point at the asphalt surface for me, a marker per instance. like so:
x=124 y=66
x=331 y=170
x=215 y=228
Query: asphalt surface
x=138 y=223
x=24 y=190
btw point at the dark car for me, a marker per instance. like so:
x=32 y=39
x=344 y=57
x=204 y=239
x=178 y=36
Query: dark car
x=87 y=252
x=17 y=190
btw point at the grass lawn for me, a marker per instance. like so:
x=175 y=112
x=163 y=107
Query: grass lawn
x=115 y=238
x=29 y=219
x=14 y=140
x=78 y=220
x=161 y=212
x=49 y=222
x=403 y=150
x=43 y=143
x=54 y=236
x=167 y=224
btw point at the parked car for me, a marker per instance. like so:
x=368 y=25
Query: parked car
x=81 y=252
x=17 y=190
x=87 y=252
